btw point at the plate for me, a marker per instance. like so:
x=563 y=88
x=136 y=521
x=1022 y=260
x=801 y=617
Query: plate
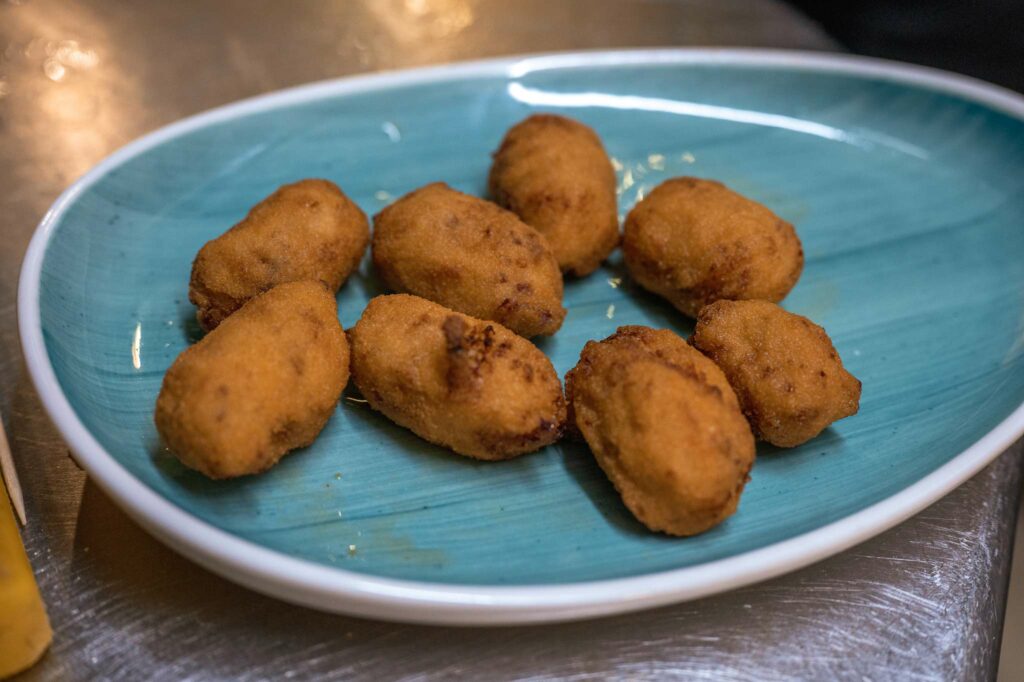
x=906 y=186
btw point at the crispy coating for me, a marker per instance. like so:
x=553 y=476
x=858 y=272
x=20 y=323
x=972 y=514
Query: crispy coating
x=471 y=256
x=262 y=383
x=660 y=344
x=554 y=173
x=466 y=384
x=783 y=367
x=664 y=428
x=696 y=241
x=308 y=230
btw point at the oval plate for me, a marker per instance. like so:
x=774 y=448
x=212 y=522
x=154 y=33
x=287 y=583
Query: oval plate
x=906 y=186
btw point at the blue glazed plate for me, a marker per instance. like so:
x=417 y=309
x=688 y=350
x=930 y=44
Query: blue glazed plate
x=906 y=186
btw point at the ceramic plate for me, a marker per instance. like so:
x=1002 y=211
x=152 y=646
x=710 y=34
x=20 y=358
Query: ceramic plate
x=906 y=186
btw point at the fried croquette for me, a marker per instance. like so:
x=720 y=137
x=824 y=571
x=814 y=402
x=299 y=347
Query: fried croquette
x=469 y=385
x=663 y=427
x=308 y=230
x=783 y=367
x=696 y=241
x=666 y=345
x=471 y=256
x=661 y=344
x=554 y=173
x=262 y=383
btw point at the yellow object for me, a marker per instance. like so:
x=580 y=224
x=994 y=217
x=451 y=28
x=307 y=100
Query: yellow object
x=24 y=628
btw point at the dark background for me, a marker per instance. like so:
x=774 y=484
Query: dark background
x=984 y=39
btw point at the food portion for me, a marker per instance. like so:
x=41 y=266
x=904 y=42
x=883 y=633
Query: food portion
x=671 y=423
x=554 y=173
x=789 y=379
x=660 y=344
x=469 y=385
x=664 y=427
x=666 y=345
x=696 y=241
x=471 y=256
x=308 y=230
x=264 y=382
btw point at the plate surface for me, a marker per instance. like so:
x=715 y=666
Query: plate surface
x=906 y=186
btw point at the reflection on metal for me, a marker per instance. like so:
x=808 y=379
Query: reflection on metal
x=62 y=55
x=70 y=53
x=54 y=70
x=411 y=21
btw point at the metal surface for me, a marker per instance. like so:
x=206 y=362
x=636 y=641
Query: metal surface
x=77 y=80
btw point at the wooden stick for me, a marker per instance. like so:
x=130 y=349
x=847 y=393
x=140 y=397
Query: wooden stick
x=10 y=476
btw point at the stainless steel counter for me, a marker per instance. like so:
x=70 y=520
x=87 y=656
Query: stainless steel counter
x=79 y=79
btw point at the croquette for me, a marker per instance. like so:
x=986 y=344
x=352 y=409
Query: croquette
x=660 y=344
x=695 y=242
x=308 y=230
x=469 y=255
x=789 y=379
x=466 y=384
x=665 y=428
x=264 y=382
x=554 y=173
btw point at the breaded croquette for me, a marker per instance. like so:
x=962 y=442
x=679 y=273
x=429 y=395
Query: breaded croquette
x=666 y=345
x=664 y=428
x=469 y=385
x=554 y=173
x=471 y=256
x=262 y=383
x=308 y=230
x=696 y=241
x=783 y=367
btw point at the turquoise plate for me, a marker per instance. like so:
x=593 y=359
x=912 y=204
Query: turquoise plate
x=906 y=186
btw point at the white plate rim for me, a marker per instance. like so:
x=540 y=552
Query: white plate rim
x=338 y=590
